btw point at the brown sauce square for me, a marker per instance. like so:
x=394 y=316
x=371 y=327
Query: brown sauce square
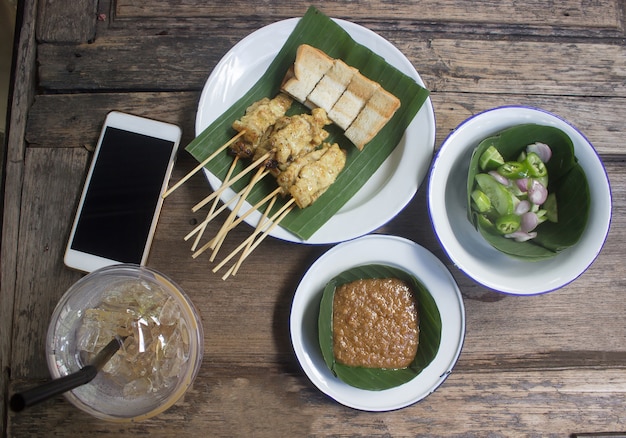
x=375 y=324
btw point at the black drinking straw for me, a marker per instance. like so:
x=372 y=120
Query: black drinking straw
x=58 y=386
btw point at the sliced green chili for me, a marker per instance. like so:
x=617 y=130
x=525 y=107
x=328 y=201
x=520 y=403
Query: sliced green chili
x=513 y=170
x=535 y=166
x=508 y=223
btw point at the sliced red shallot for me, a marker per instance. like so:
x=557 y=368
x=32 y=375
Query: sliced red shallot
x=522 y=207
x=522 y=184
x=529 y=222
x=537 y=192
x=541 y=149
x=520 y=236
x=501 y=179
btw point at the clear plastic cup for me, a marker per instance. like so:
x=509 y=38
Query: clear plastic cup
x=162 y=350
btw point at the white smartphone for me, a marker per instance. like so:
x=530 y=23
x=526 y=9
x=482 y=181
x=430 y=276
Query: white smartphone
x=122 y=197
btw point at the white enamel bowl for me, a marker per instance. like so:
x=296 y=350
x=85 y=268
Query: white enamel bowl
x=401 y=254
x=463 y=243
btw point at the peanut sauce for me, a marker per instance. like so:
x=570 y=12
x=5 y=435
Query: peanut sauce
x=375 y=324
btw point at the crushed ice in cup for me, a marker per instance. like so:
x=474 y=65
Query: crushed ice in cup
x=156 y=347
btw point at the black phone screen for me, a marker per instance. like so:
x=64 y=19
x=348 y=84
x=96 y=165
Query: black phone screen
x=122 y=196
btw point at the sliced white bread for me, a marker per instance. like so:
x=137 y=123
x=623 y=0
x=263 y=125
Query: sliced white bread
x=310 y=66
x=355 y=103
x=332 y=85
x=379 y=109
x=352 y=101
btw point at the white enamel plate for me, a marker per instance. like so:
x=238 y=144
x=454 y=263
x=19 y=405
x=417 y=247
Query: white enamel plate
x=394 y=184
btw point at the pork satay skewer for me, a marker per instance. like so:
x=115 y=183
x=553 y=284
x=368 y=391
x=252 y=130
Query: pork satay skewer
x=253 y=125
x=257 y=122
x=203 y=163
x=327 y=161
x=314 y=173
x=289 y=138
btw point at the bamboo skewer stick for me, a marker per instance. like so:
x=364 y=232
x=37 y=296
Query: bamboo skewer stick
x=256 y=207
x=210 y=214
x=233 y=270
x=233 y=180
x=253 y=236
x=226 y=227
x=240 y=219
x=251 y=246
x=210 y=217
x=202 y=164
x=258 y=227
x=229 y=174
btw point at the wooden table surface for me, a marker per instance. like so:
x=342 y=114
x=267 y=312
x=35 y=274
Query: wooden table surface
x=547 y=365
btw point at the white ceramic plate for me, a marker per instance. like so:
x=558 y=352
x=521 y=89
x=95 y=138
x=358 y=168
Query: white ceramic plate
x=394 y=184
x=391 y=251
x=464 y=244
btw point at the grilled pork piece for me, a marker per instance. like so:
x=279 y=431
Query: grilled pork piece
x=314 y=178
x=258 y=119
x=289 y=176
x=297 y=135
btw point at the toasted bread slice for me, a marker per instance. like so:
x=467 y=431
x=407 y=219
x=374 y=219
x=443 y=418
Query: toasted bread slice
x=352 y=101
x=358 y=105
x=379 y=109
x=330 y=88
x=310 y=66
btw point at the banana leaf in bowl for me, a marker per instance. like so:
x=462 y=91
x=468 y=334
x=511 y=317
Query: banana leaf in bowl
x=566 y=179
x=377 y=379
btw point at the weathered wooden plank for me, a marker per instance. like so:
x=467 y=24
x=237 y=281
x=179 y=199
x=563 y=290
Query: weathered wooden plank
x=567 y=13
x=193 y=26
x=130 y=63
x=13 y=176
x=47 y=211
x=240 y=401
x=73 y=21
x=521 y=67
x=599 y=119
x=74 y=120
x=451 y=65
